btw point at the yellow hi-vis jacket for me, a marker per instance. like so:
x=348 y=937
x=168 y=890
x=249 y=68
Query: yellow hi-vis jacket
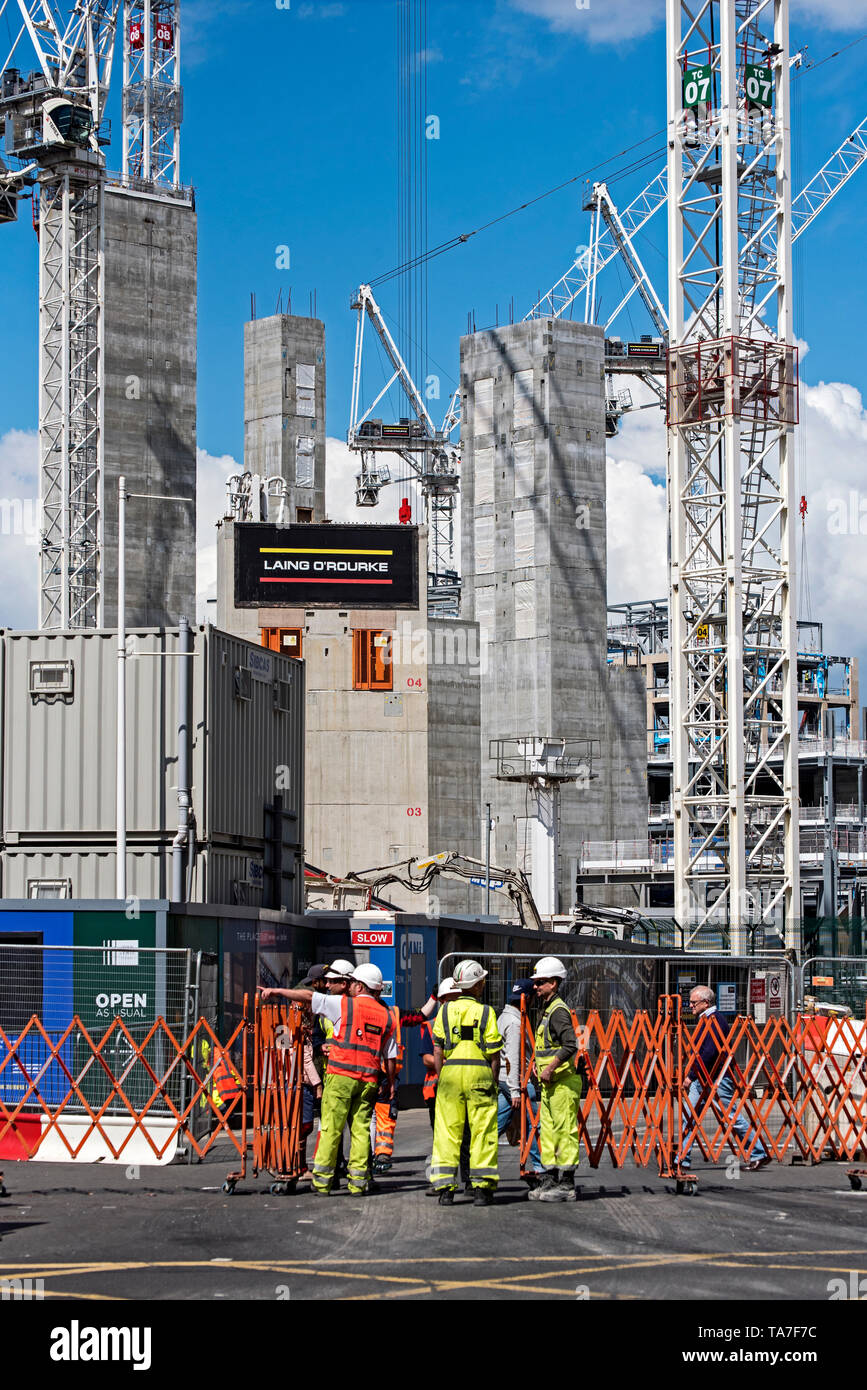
x=546 y=1047
x=466 y=1030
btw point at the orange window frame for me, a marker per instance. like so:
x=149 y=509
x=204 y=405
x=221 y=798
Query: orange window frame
x=372 y=667
x=272 y=638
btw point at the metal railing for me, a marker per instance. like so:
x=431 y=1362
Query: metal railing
x=631 y=982
x=836 y=980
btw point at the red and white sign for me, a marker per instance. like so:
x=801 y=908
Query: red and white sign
x=775 y=993
x=136 y=34
x=372 y=938
x=757 y=991
x=164 y=33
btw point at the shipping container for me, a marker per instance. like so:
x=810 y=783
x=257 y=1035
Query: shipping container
x=58 y=760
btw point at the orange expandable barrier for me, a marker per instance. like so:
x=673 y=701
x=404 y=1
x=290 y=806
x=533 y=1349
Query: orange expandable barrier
x=278 y=1075
x=800 y=1087
x=84 y=1097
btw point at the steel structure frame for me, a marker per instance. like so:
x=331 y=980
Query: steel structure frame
x=74 y=53
x=731 y=487
x=75 y=57
x=152 y=95
x=427 y=455
x=71 y=270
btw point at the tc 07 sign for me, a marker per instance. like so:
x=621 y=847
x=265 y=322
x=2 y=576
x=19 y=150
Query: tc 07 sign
x=759 y=85
x=696 y=86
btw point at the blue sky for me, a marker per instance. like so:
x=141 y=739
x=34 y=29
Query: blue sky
x=289 y=138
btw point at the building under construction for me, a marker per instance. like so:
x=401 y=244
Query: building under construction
x=697 y=756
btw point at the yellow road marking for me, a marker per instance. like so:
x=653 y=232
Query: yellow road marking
x=578 y=1268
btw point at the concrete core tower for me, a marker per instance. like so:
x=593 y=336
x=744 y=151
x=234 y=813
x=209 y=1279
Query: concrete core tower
x=284 y=409
x=534 y=576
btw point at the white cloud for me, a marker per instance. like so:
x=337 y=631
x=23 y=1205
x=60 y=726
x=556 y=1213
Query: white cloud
x=830 y=14
x=637 y=544
x=617 y=21
x=19 y=528
x=211 y=473
x=831 y=441
x=600 y=21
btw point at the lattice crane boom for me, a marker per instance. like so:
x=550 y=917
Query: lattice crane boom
x=425 y=450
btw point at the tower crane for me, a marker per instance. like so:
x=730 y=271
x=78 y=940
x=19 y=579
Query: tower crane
x=732 y=405
x=55 y=136
x=425 y=450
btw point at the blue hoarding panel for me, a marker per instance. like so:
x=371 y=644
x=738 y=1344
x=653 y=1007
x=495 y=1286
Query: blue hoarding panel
x=35 y=982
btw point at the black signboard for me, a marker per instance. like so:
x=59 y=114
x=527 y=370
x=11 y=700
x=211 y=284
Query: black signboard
x=316 y=566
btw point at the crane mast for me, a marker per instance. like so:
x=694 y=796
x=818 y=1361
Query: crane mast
x=152 y=96
x=732 y=402
x=54 y=141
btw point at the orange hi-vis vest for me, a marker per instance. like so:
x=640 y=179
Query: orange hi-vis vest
x=429 y=1088
x=359 y=1051
x=394 y=1013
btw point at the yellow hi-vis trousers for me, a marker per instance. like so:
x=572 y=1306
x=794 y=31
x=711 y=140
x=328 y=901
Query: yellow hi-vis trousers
x=558 y=1121
x=344 y=1101
x=466 y=1095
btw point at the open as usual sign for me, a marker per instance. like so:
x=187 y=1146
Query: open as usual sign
x=326 y=566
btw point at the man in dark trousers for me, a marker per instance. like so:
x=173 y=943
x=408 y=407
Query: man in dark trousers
x=703 y=1074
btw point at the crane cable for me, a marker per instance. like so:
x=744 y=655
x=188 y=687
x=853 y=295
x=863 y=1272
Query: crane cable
x=463 y=237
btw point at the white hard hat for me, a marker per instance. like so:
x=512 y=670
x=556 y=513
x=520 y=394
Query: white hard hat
x=340 y=970
x=549 y=968
x=446 y=986
x=468 y=973
x=369 y=975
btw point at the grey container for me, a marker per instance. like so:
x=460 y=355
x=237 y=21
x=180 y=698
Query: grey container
x=58 y=750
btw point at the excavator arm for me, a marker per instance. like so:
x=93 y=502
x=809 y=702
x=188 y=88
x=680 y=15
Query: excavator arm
x=417 y=875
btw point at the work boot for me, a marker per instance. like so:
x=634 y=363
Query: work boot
x=567 y=1184
x=381 y=1164
x=482 y=1197
x=447 y=1198
x=548 y=1190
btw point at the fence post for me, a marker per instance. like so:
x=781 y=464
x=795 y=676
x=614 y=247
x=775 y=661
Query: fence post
x=672 y=1049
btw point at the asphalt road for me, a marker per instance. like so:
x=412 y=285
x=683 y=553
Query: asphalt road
x=91 y=1232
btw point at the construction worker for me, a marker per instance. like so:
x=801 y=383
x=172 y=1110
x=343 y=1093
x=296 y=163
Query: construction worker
x=467 y=1062
x=447 y=990
x=555 y=1054
x=362 y=1045
x=510 y=1024
x=335 y=980
x=386 y=1110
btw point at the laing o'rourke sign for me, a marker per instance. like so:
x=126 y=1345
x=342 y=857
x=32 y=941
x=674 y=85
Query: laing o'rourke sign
x=326 y=566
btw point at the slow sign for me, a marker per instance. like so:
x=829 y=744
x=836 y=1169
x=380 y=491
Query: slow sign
x=372 y=938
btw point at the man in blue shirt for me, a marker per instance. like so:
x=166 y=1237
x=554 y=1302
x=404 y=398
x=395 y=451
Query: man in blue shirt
x=702 y=1002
